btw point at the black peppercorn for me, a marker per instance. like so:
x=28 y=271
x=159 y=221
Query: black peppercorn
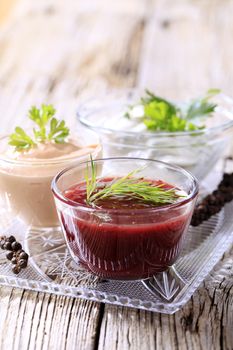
x=14 y=260
x=7 y=246
x=10 y=239
x=23 y=255
x=22 y=263
x=2 y=244
x=9 y=255
x=16 y=269
x=213 y=203
x=17 y=256
x=16 y=246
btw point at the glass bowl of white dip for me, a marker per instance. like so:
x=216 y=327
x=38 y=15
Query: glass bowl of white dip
x=25 y=177
x=197 y=151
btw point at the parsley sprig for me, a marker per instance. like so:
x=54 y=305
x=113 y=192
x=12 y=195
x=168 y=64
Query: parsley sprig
x=129 y=185
x=159 y=114
x=48 y=129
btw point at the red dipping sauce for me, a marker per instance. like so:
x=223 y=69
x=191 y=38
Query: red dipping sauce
x=123 y=238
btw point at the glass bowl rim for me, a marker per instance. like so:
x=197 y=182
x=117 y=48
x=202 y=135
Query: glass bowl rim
x=52 y=161
x=82 y=115
x=58 y=194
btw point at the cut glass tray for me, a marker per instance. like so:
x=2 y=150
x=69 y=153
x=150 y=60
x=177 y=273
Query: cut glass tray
x=51 y=269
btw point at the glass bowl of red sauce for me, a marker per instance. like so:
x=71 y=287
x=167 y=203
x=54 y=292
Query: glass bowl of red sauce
x=123 y=237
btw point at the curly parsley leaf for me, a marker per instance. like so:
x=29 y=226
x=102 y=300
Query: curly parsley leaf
x=48 y=129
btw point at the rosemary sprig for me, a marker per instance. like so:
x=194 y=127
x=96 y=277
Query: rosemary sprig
x=91 y=184
x=129 y=185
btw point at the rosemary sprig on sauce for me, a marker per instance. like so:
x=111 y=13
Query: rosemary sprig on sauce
x=129 y=185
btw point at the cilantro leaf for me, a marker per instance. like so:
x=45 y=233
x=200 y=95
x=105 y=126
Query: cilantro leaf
x=21 y=140
x=162 y=115
x=150 y=97
x=48 y=129
x=41 y=117
x=58 y=131
x=158 y=117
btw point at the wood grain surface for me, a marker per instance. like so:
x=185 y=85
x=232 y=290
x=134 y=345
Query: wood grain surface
x=6 y=8
x=59 y=51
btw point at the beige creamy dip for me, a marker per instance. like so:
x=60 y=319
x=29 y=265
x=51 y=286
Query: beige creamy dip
x=25 y=178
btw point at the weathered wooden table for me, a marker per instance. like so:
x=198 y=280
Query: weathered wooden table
x=55 y=51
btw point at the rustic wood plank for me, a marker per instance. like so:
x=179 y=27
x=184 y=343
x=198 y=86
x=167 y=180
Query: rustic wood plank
x=205 y=322
x=32 y=320
x=6 y=8
x=187 y=48
x=65 y=60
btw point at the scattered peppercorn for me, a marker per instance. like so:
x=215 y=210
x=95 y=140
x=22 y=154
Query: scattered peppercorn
x=16 y=269
x=17 y=256
x=7 y=246
x=22 y=263
x=23 y=255
x=16 y=246
x=9 y=255
x=214 y=202
x=11 y=239
x=14 y=260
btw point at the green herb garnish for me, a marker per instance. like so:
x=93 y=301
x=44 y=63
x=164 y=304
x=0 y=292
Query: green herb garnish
x=48 y=129
x=91 y=184
x=136 y=188
x=201 y=107
x=160 y=114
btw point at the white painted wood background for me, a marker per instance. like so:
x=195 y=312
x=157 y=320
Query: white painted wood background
x=58 y=51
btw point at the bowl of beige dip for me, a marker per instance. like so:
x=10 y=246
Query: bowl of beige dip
x=25 y=177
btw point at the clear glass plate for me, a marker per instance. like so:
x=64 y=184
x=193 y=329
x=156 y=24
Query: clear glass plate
x=52 y=270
